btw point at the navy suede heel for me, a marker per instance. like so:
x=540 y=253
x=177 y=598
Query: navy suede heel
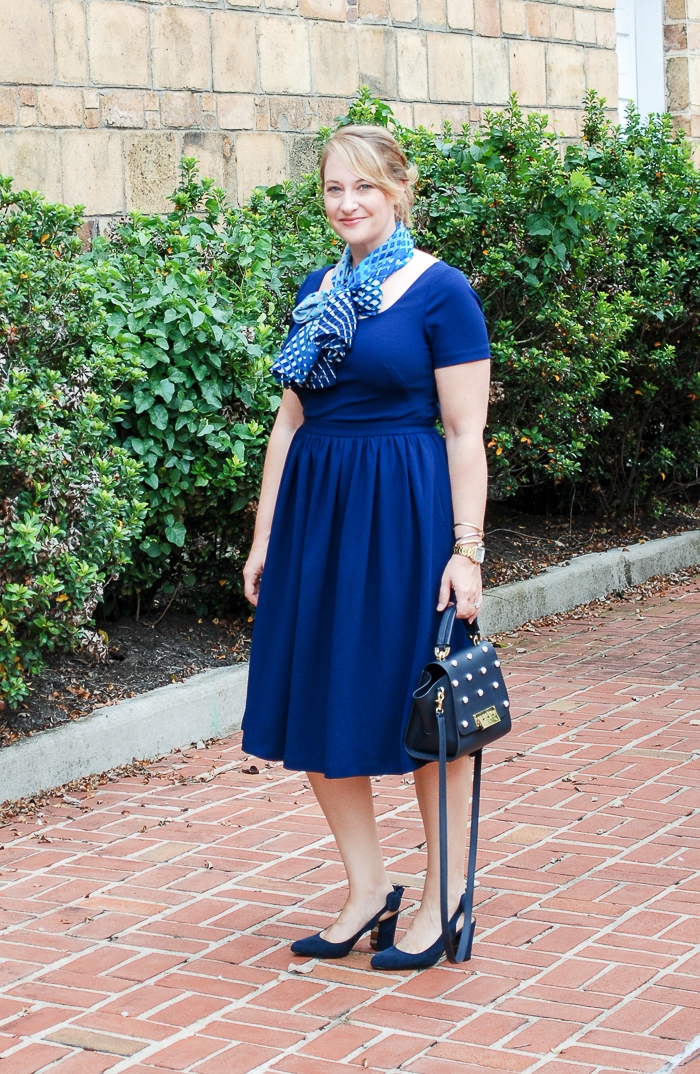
x=382 y=936
x=395 y=959
x=384 y=933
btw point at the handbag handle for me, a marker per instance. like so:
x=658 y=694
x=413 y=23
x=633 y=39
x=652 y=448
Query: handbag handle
x=443 y=644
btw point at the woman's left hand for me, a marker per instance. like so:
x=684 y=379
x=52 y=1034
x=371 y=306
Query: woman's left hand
x=464 y=577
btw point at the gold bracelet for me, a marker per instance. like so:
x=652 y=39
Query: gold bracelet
x=470 y=525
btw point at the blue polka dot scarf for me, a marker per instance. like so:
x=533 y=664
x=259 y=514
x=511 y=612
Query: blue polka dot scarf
x=329 y=318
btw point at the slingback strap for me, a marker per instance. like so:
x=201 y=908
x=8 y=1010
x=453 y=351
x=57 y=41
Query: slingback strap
x=464 y=948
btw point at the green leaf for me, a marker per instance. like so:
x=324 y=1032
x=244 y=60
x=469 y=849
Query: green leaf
x=536 y=224
x=159 y=416
x=143 y=400
x=175 y=532
x=211 y=393
x=580 y=181
x=116 y=320
x=166 y=389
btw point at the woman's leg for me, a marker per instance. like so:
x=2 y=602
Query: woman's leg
x=347 y=806
x=425 y=927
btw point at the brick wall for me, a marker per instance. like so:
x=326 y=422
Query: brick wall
x=682 y=45
x=99 y=98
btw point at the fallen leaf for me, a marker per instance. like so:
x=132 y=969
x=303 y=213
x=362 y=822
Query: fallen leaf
x=304 y=967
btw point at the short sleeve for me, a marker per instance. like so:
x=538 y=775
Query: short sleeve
x=454 y=320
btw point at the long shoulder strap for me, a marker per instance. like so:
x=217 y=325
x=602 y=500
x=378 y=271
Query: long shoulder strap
x=464 y=948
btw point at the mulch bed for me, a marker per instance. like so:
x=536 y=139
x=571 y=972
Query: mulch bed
x=521 y=545
x=155 y=651
x=142 y=655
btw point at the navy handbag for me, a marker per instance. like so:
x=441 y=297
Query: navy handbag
x=460 y=706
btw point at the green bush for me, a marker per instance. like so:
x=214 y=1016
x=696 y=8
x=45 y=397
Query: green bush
x=69 y=506
x=651 y=445
x=197 y=301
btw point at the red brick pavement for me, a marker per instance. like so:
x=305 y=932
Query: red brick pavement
x=146 y=926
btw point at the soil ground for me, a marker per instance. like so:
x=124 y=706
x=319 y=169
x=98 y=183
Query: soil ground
x=162 y=648
x=147 y=914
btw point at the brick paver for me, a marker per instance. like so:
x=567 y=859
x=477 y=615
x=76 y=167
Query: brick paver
x=146 y=925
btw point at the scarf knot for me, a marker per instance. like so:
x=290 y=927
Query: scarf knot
x=329 y=318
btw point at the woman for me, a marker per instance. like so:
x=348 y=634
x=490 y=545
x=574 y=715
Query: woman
x=355 y=532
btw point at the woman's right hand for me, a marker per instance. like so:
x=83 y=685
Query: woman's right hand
x=252 y=572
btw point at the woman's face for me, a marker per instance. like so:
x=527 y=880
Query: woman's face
x=358 y=211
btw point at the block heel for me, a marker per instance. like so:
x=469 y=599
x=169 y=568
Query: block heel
x=383 y=934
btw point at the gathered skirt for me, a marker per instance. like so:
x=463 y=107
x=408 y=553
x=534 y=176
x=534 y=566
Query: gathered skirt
x=347 y=609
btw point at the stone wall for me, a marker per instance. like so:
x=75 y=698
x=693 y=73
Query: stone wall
x=682 y=45
x=99 y=98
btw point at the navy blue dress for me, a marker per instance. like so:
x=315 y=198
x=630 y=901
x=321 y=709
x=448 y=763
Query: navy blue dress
x=362 y=531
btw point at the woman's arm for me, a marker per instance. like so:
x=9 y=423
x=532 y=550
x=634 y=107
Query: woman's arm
x=463 y=391
x=288 y=420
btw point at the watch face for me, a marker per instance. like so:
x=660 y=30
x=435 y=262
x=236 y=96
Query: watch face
x=479 y=555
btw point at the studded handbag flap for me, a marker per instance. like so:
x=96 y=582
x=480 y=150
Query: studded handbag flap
x=469 y=687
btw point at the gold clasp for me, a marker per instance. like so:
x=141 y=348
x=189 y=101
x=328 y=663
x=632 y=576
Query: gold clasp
x=439 y=701
x=487 y=718
x=442 y=654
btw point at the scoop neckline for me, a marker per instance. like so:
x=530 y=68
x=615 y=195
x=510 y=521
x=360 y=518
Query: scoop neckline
x=396 y=302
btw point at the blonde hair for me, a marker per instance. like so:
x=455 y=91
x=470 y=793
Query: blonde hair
x=374 y=154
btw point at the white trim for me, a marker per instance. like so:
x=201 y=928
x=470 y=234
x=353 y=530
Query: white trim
x=649 y=39
x=640 y=55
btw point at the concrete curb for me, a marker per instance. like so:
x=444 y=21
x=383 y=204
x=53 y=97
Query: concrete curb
x=586 y=578
x=210 y=705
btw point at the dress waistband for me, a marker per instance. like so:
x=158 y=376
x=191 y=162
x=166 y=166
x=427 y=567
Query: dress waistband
x=363 y=428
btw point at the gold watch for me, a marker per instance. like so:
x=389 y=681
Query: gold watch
x=475 y=552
